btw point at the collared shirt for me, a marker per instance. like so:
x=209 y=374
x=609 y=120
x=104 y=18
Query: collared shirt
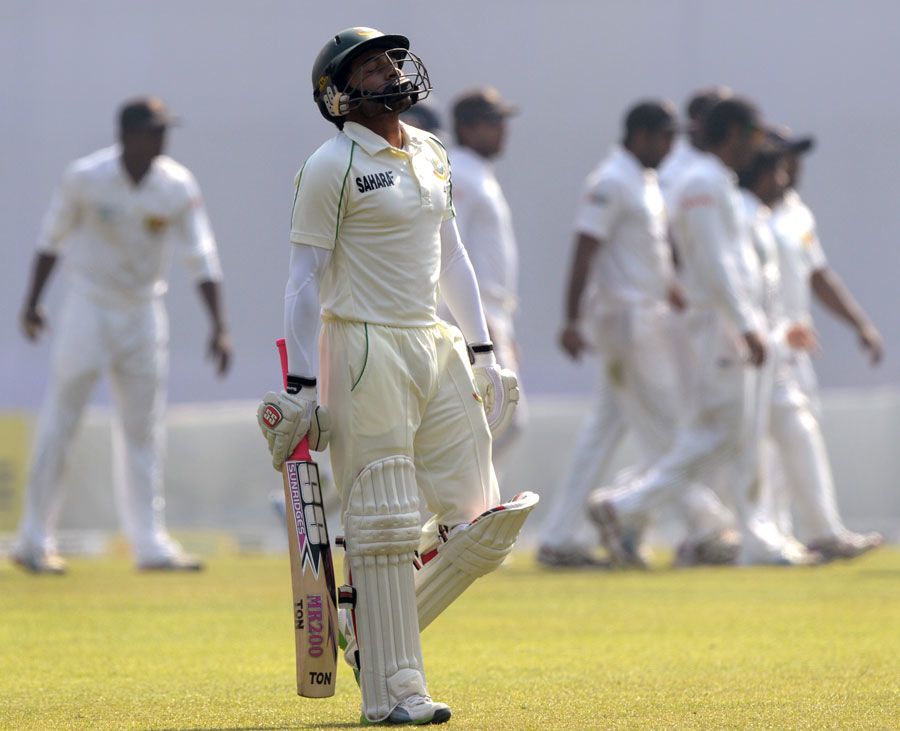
x=764 y=242
x=800 y=252
x=485 y=227
x=674 y=166
x=623 y=208
x=379 y=209
x=117 y=234
x=720 y=267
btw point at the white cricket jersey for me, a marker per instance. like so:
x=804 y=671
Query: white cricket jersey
x=485 y=227
x=759 y=216
x=379 y=209
x=623 y=208
x=117 y=234
x=720 y=267
x=674 y=166
x=800 y=252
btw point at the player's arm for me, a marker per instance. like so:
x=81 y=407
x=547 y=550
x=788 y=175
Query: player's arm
x=570 y=339
x=831 y=291
x=194 y=235
x=62 y=218
x=32 y=318
x=598 y=214
x=716 y=258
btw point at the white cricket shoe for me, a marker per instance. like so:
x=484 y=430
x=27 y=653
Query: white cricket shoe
x=847 y=545
x=419 y=710
x=792 y=553
x=36 y=561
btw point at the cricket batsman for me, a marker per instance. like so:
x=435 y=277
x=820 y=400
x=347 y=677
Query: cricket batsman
x=392 y=389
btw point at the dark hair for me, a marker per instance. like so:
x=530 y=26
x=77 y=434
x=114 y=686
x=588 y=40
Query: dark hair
x=726 y=114
x=649 y=115
x=705 y=99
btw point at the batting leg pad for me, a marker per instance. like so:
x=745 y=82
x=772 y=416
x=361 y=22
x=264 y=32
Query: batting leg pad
x=469 y=552
x=382 y=533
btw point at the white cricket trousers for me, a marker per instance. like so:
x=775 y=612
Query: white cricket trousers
x=639 y=387
x=129 y=343
x=408 y=391
x=722 y=429
x=807 y=485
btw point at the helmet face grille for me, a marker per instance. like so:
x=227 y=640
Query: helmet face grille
x=411 y=79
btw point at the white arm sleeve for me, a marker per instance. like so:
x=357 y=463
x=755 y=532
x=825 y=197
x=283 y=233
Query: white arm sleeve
x=459 y=286
x=63 y=216
x=193 y=232
x=301 y=308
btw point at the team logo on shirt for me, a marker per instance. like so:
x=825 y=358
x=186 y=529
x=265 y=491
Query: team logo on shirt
x=365 y=183
x=440 y=170
x=155 y=225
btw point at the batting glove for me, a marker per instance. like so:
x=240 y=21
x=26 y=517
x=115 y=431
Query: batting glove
x=498 y=388
x=285 y=418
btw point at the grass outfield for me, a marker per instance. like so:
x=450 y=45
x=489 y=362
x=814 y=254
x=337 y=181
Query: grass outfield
x=815 y=648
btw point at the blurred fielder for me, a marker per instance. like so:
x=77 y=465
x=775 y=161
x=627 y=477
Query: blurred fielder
x=373 y=235
x=795 y=417
x=722 y=277
x=485 y=225
x=119 y=211
x=623 y=260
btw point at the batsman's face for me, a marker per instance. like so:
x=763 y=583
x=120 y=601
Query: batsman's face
x=373 y=70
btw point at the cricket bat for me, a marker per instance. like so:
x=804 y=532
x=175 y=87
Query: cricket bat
x=312 y=570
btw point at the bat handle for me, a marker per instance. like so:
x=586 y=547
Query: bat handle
x=301 y=451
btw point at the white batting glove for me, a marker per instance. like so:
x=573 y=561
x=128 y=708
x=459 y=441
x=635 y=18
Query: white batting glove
x=498 y=388
x=285 y=418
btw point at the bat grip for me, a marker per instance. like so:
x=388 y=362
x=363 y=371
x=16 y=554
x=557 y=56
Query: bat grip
x=301 y=451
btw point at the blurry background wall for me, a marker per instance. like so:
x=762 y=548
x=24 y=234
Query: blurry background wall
x=238 y=73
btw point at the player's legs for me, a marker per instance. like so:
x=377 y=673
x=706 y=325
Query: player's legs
x=599 y=437
x=78 y=358
x=456 y=477
x=138 y=376
x=720 y=421
x=374 y=381
x=652 y=402
x=804 y=458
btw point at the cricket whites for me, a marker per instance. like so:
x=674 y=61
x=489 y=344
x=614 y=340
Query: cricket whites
x=312 y=570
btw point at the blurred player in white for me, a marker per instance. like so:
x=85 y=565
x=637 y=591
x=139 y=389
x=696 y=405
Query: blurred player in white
x=762 y=183
x=373 y=235
x=722 y=277
x=623 y=267
x=117 y=214
x=689 y=147
x=795 y=419
x=485 y=225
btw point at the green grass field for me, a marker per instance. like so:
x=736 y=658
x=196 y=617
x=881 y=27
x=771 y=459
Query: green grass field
x=106 y=647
